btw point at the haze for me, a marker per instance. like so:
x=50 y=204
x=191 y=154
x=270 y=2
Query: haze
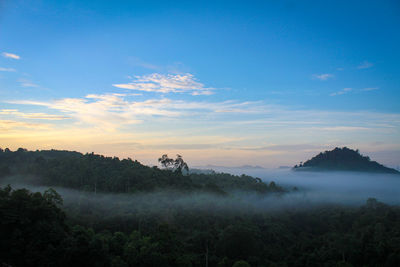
x=313 y=189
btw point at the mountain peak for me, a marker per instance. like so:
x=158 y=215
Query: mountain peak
x=343 y=159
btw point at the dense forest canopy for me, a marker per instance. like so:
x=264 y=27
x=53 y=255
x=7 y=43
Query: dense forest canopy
x=343 y=159
x=96 y=173
x=34 y=231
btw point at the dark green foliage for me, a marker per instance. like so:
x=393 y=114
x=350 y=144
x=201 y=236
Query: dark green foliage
x=343 y=159
x=228 y=182
x=31 y=227
x=241 y=264
x=239 y=241
x=96 y=173
x=34 y=233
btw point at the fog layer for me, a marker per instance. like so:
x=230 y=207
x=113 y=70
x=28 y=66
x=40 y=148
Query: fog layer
x=331 y=187
x=314 y=189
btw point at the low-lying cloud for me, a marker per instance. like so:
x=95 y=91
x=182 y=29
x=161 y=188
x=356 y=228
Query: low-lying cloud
x=314 y=189
x=332 y=187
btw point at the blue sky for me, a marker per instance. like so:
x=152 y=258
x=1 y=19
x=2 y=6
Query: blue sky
x=232 y=82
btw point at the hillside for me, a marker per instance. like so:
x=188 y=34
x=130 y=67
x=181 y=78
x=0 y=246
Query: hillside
x=96 y=173
x=343 y=159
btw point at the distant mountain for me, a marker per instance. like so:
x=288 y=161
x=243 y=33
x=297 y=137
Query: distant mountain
x=249 y=167
x=343 y=159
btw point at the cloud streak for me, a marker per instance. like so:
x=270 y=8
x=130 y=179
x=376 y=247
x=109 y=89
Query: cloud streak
x=10 y=55
x=160 y=83
x=27 y=83
x=121 y=109
x=370 y=89
x=342 y=92
x=7 y=69
x=323 y=77
x=350 y=90
x=40 y=116
x=112 y=111
x=7 y=125
x=365 y=65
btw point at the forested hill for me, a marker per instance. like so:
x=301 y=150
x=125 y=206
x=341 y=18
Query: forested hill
x=344 y=159
x=96 y=173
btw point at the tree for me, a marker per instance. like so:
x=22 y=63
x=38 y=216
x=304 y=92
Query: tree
x=177 y=165
x=165 y=161
x=180 y=164
x=52 y=196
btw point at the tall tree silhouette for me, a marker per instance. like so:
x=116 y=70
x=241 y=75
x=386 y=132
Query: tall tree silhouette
x=180 y=164
x=165 y=161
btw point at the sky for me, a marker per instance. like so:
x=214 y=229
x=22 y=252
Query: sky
x=228 y=83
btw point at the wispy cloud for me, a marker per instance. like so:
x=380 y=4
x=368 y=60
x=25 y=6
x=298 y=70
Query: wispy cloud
x=344 y=128
x=117 y=111
x=113 y=111
x=323 y=77
x=7 y=125
x=10 y=55
x=107 y=112
x=288 y=147
x=342 y=92
x=348 y=90
x=27 y=83
x=99 y=121
x=365 y=65
x=40 y=116
x=206 y=92
x=370 y=89
x=7 y=69
x=138 y=62
x=170 y=83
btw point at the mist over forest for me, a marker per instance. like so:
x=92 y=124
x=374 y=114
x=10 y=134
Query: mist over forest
x=302 y=190
x=221 y=189
x=336 y=186
x=81 y=207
